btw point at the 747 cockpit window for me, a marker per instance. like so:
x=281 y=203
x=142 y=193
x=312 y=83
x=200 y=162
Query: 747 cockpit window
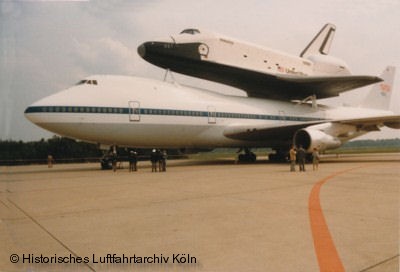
x=191 y=31
x=87 y=81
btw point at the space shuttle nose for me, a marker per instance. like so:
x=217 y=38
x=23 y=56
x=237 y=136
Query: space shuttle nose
x=142 y=50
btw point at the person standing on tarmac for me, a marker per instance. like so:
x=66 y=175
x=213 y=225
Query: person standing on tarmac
x=301 y=158
x=114 y=160
x=292 y=157
x=50 y=161
x=164 y=160
x=315 y=159
x=159 y=160
x=132 y=161
x=153 y=160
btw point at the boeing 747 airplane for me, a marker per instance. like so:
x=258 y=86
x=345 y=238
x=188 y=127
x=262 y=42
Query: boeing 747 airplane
x=145 y=113
x=261 y=72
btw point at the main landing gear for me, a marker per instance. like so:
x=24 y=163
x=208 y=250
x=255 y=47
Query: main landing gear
x=109 y=159
x=278 y=156
x=248 y=156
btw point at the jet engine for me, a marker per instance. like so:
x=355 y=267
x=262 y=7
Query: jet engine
x=312 y=138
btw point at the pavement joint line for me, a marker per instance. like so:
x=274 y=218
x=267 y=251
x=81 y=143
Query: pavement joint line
x=2 y=202
x=325 y=250
x=48 y=232
x=378 y=264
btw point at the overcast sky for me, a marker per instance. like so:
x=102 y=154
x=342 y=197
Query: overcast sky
x=47 y=46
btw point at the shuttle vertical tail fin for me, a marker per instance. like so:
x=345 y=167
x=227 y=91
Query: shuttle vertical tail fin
x=321 y=43
x=379 y=96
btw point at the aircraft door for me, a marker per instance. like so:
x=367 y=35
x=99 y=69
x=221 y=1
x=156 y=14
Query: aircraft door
x=212 y=115
x=134 y=111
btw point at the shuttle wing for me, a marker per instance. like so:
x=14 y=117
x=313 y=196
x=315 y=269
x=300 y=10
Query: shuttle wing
x=287 y=87
x=295 y=87
x=255 y=83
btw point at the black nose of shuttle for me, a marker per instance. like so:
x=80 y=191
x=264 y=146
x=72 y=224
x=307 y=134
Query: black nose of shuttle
x=169 y=51
x=142 y=50
x=169 y=54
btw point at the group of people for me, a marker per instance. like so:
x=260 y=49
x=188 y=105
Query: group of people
x=158 y=160
x=298 y=155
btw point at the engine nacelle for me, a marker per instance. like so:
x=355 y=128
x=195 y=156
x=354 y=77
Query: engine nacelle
x=312 y=138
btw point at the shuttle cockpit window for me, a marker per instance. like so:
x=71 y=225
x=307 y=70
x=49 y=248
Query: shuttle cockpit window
x=191 y=31
x=81 y=82
x=87 y=81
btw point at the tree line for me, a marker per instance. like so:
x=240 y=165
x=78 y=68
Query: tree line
x=60 y=148
x=373 y=143
x=369 y=146
x=65 y=149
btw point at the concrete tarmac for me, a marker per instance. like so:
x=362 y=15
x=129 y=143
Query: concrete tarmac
x=203 y=216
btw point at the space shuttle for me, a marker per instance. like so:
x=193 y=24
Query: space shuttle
x=260 y=71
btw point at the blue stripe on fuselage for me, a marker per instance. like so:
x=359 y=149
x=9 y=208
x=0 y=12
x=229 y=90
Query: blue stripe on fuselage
x=163 y=112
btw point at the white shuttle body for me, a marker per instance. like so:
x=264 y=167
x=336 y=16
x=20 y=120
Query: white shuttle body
x=260 y=71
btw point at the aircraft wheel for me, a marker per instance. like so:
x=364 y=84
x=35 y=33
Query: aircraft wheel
x=248 y=157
